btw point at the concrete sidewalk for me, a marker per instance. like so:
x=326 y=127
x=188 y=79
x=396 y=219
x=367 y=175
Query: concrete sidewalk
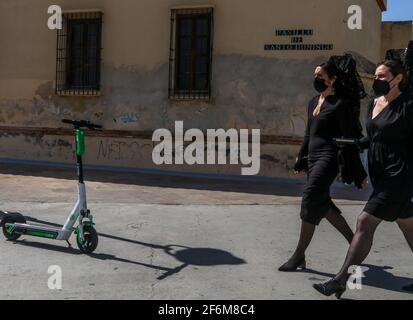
x=184 y=239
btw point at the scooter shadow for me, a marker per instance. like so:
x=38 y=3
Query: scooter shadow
x=71 y=250
x=187 y=256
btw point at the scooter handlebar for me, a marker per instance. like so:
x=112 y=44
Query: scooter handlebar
x=82 y=124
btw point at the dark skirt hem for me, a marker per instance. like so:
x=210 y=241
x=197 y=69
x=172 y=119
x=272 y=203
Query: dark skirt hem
x=379 y=212
x=315 y=215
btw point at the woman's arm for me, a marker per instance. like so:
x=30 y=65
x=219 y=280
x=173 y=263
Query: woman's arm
x=305 y=146
x=348 y=127
x=346 y=120
x=364 y=143
x=409 y=111
x=353 y=169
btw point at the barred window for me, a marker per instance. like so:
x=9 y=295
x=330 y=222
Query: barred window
x=78 y=61
x=191 y=53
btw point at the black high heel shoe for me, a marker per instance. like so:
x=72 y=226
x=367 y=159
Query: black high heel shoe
x=330 y=287
x=293 y=265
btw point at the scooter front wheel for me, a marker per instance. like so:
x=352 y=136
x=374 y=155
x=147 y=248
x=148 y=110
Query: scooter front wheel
x=90 y=241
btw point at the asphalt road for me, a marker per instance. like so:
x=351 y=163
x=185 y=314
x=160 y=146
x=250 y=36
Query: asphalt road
x=164 y=238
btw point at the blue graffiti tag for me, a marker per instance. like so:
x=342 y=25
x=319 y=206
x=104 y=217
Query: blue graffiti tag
x=129 y=117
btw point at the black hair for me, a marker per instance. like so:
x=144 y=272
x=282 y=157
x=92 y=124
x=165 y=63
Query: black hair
x=405 y=58
x=332 y=71
x=396 y=68
x=348 y=85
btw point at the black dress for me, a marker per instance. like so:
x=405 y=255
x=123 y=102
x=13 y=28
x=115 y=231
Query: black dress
x=390 y=158
x=333 y=121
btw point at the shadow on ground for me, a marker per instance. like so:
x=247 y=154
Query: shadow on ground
x=275 y=186
x=186 y=256
x=374 y=276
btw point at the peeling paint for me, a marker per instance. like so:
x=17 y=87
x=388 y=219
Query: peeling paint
x=248 y=92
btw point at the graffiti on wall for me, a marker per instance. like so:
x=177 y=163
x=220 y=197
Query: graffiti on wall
x=128 y=117
x=117 y=150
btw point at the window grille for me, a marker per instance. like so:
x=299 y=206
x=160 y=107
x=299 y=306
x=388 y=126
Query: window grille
x=190 y=62
x=78 y=61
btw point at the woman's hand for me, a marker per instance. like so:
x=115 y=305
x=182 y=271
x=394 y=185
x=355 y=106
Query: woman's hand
x=295 y=171
x=301 y=164
x=295 y=166
x=365 y=183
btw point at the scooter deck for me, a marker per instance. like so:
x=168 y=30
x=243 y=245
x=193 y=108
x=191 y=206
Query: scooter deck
x=40 y=231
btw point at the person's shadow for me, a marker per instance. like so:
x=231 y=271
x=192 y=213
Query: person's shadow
x=185 y=255
x=379 y=277
x=204 y=257
x=376 y=277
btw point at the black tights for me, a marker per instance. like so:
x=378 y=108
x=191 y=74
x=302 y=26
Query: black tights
x=307 y=233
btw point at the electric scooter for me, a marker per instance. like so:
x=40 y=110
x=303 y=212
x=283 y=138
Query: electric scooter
x=14 y=224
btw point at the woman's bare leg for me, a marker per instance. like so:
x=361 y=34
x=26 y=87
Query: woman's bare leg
x=406 y=226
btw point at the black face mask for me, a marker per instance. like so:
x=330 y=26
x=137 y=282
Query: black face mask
x=381 y=87
x=319 y=85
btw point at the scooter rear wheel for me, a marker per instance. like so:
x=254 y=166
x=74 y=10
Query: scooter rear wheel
x=90 y=242
x=10 y=234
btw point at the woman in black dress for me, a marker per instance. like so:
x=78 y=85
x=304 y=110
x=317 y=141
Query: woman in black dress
x=390 y=157
x=329 y=117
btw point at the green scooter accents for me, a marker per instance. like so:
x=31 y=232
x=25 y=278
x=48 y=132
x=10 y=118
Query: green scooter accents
x=80 y=142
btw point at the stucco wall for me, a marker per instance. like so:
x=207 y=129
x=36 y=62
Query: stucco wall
x=367 y=41
x=252 y=88
x=396 y=35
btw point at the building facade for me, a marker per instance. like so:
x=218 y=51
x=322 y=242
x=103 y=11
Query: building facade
x=137 y=66
x=395 y=35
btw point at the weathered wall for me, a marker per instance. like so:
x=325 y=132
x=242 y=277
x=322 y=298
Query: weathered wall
x=396 y=35
x=252 y=88
x=367 y=41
